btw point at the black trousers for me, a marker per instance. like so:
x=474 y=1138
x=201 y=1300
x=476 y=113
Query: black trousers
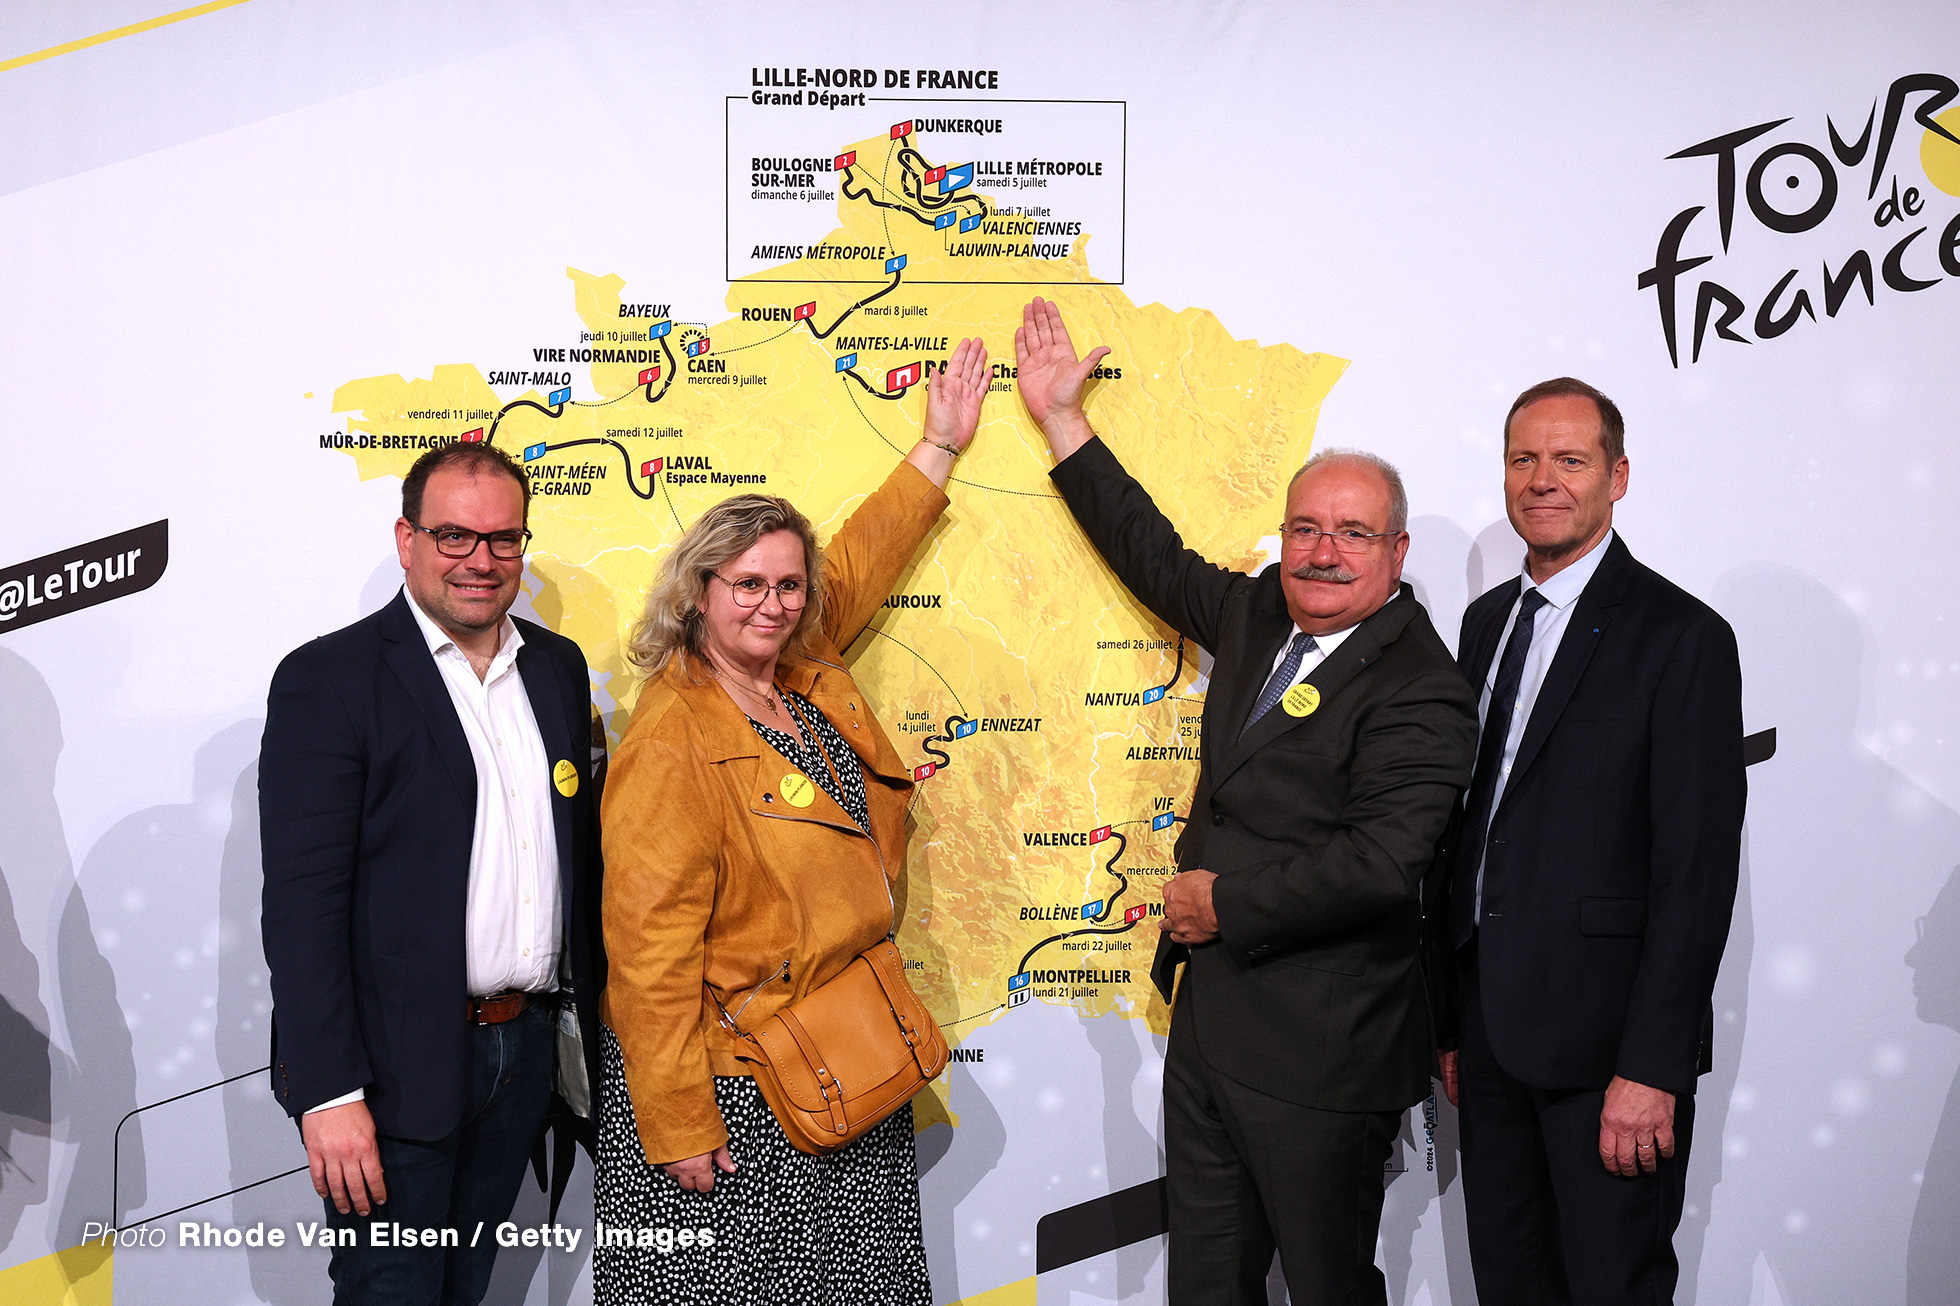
x=1549 y=1225
x=1251 y=1174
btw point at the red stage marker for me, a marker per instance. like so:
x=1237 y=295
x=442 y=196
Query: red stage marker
x=900 y=130
x=921 y=772
x=652 y=468
x=900 y=378
x=937 y=174
x=1136 y=913
x=473 y=437
x=845 y=160
x=802 y=311
x=1099 y=834
x=649 y=376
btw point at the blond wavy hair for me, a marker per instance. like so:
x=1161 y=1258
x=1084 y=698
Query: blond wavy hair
x=673 y=622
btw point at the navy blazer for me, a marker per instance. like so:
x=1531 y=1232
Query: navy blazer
x=367 y=804
x=1614 y=849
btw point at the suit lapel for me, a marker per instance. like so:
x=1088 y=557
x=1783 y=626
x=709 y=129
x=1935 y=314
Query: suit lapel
x=1591 y=613
x=1480 y=650
x=551 y=705
x=407 y=655
x=1267 y=628
x=1330 y=677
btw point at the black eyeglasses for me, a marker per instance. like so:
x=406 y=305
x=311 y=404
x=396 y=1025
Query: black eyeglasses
x=750 y=591
x=455 y=542
x=1305 y=538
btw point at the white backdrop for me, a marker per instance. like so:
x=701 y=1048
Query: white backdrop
x=205 y=227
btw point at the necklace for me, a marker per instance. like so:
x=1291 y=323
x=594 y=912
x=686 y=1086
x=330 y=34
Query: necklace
x=770 y=702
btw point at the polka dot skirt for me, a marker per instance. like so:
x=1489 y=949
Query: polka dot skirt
x=786 y=1229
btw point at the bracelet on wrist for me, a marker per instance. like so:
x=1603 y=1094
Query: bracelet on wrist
x=935 y=444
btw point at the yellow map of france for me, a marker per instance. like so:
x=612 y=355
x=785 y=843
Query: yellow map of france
x=1053 y=721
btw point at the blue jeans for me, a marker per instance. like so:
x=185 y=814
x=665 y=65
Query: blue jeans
x=467 y=1181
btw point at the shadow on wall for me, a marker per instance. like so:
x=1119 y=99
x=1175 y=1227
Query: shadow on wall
x=31 y=834
x=260 y=1139
x=1810 y=1153
x=1933 y=1249
x=85 y=1097
x=951 y=1165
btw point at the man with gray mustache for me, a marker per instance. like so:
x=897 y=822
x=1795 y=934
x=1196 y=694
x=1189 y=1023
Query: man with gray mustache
x=1338 y=736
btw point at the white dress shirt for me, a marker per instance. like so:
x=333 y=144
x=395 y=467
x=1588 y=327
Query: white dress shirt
x=1561 y=593
x=1324 y=646
x=514 y=920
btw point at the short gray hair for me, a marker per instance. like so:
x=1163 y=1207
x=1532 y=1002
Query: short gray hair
x=1398 y=498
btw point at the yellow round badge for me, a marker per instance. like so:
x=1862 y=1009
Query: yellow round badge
x=565 y=776
x=797 y=789
x=1301 y=700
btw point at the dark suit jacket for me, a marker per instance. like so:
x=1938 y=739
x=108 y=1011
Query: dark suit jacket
x=1318 y=827
x=367 y=800
x=1614 y=848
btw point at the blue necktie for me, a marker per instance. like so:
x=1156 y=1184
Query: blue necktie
x=1490 y=762
x=1301 y=645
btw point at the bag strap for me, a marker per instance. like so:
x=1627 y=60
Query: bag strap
x=907 y=1029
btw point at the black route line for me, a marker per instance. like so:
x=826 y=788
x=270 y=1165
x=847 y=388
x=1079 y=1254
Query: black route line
x=490 y=436
x=1177 y=671
x=625 y=457
x=952 y=725
x=888 y=396
x=953 y=198
x=825 y=334
x=1109 y=905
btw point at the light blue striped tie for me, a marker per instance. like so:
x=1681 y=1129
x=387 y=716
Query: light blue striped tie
x=1301 y=645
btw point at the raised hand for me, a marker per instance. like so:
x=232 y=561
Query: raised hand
x=1050 y=376
x=954 y=396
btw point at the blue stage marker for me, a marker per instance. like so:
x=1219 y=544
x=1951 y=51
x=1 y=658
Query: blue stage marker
x=1018 y=982
x=1163 y=820
x=659 y=329
x=955 y=178
x=944 y=221
x=845 y=362
x=1092 y=909
x=533 y=452
x=557 y=397
x=965 y=728
x=968 y=224
x=898 y=261
x=1152 y=694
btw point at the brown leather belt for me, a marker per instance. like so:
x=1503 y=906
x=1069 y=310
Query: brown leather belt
x=500 y=1007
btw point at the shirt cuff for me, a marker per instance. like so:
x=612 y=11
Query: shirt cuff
x=358 y=1095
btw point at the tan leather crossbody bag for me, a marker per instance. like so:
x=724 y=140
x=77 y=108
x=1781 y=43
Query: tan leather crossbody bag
x=845 y=1056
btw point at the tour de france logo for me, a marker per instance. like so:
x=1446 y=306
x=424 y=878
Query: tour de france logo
x=1792 y=177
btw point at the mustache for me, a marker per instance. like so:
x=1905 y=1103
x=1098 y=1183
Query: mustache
x=1336 y=575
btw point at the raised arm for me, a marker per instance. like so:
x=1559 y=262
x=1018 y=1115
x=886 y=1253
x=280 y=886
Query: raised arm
x=1137 y=541
x=870 y=551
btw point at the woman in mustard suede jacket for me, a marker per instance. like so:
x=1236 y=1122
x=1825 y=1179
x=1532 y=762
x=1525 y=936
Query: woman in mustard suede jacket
x=754 y=822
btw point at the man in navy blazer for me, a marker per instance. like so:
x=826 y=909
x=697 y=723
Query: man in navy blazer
x=428 y=823
x=1591 y=882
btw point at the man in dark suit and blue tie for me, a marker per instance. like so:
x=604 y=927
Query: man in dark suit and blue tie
x=1338 y=736
x=427 y=819
x=1591 y=882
